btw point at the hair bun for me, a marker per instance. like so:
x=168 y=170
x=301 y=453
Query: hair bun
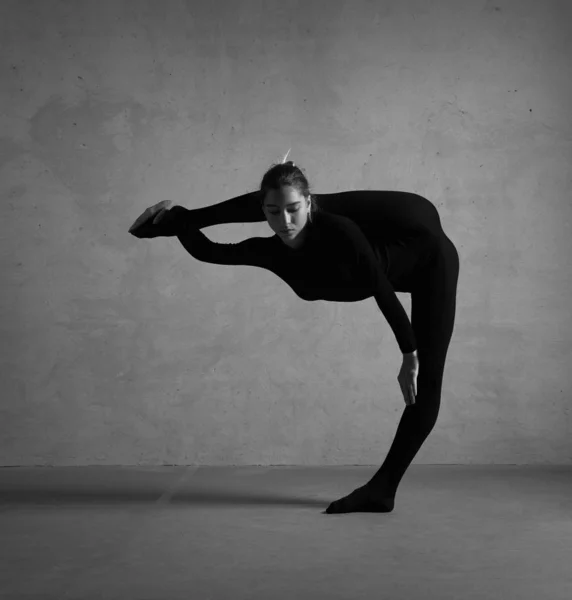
x=290 y=163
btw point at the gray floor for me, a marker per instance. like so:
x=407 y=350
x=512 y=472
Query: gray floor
x=261 y=533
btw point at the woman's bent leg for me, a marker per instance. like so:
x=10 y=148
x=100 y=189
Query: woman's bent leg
x=385 y=212
x=247 y=209
x=369 y=209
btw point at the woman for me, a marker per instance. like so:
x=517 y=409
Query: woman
x=346 y=247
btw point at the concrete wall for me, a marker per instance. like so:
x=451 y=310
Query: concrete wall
x=124 y=351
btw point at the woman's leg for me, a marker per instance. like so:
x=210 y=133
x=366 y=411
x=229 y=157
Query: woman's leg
x=242 y=209
x=246 y=209
x=374 y=211
x=388 y=213
x=433 y=307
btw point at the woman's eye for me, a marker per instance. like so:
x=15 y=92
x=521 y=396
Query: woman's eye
x=290 y=211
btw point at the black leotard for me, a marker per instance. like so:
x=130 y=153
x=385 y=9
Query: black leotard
x=339 y=260
x=360 y=243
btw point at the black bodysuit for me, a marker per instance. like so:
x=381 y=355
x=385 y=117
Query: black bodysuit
x=360 y=244
x=339 y=261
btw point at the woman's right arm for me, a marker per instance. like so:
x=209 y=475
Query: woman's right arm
x=252 y=251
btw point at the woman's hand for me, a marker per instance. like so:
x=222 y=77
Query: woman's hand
x=154 y=222
x=408 y=377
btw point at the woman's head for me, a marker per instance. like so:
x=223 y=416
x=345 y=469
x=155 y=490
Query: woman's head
x=286 y=201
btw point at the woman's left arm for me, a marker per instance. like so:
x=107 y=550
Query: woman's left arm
x=407 y=377
x=389 y=304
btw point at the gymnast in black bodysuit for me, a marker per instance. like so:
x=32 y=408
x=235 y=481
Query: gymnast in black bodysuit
x=346 y=247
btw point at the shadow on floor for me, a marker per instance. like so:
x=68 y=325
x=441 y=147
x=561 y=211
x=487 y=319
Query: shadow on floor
x=92 y=495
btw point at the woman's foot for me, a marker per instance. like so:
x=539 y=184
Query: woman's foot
x=363 y=499
x=156 y=221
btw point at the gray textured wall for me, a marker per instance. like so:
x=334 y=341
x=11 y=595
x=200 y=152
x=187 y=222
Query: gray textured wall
x=124 y=351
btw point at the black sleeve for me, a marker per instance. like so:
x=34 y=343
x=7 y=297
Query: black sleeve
x=252 y=251
x=371 y=271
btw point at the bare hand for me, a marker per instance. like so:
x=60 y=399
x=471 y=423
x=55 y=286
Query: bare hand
x=408 y=378
x=147 y=225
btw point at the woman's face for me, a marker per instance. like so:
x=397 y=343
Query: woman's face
x=287 y=211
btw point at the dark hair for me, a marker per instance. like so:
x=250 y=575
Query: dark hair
x=286 y=174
